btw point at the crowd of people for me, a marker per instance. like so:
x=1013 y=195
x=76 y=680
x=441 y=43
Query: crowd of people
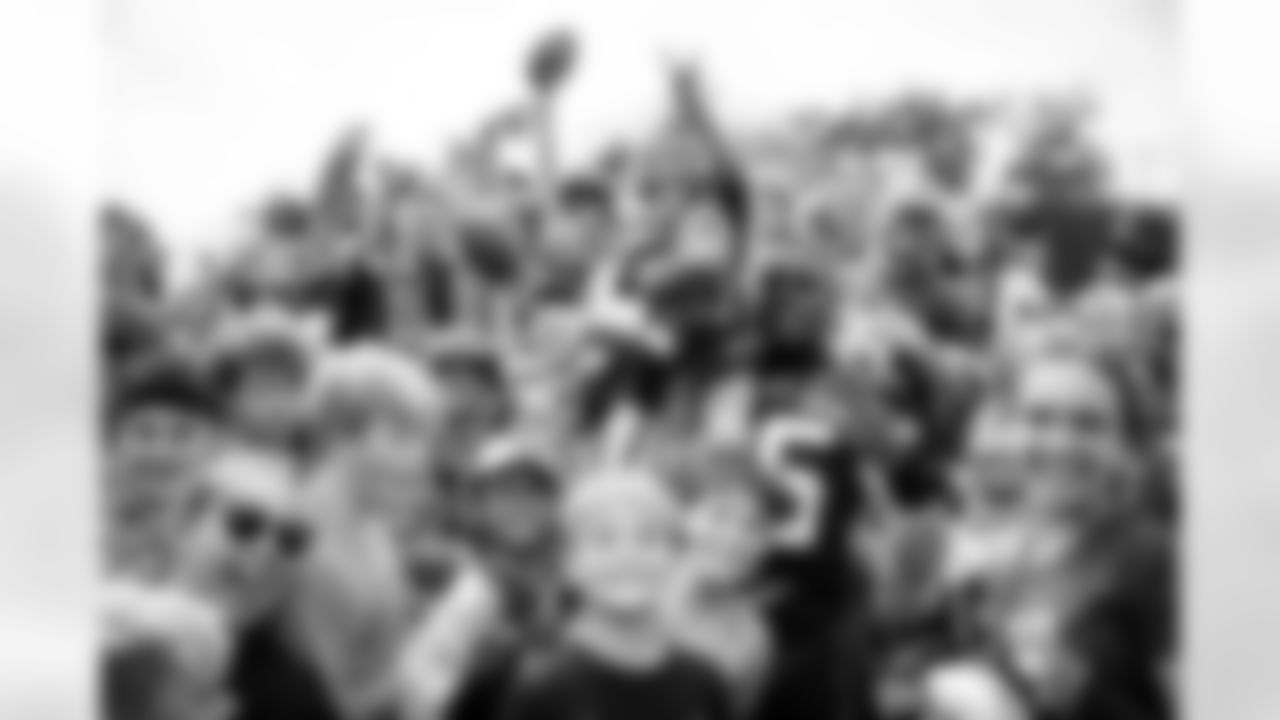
x=715 y=428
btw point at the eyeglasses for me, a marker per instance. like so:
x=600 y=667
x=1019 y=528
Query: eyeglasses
x=247 y=525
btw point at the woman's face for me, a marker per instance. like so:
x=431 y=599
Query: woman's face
x=622 y=560
x=726 y=530
x=1068 y=419
x=386 y=459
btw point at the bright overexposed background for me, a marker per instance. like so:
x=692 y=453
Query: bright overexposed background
x=211 y=103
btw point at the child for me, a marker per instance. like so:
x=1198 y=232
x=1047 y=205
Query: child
x=477 y=399
x=616 y=660
x=262 y=361
x=515 y=501
x=165 y=417
x=515 y=504
x=374 y=411
x=718 y=611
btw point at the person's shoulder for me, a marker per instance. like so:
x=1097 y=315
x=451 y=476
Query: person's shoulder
x=692 y=677
x=549 y=668
x=685 y=664
x=1132 y=540
x=1134 y=563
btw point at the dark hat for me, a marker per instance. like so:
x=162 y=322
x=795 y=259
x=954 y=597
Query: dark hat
x=512 y=462
x=164 y=381
x=266 y=339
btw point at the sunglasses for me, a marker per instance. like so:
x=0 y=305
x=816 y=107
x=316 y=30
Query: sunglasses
x=248 y=525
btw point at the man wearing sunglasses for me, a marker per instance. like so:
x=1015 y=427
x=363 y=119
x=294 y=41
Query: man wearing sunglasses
x=244 y=537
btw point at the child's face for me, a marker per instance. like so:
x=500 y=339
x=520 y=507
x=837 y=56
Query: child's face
x=726 y=534
x=268 y=399
x=621 y=558
x=1069 y=423
x=520 y=517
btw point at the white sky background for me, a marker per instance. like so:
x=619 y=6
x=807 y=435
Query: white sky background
x=211 y=103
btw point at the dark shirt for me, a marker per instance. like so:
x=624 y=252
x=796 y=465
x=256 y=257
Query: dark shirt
x=1116 y=601
x=1124 y=625
x=570 y=684
x=270 y=680
x=828 y=680
x=484 y=692
x=819 y=584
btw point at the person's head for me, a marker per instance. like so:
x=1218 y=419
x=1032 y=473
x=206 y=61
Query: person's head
x=1022 y=308
x=797 y=307
x=712 y=222
x=476 y=386
x=263 y=361
x=246 y=530
x=990 y=477
x=688 y=282
x=1148 y=243
x=516 y=496
x=866 y=338
x=623 y=539
x=283 y=256
x=287 y=219
x=1076 y=431
x=165 y=413
x=581 y=228
x=1074 y=245
x=373 y=415
x=732 y=507
x=920 y=249
x=163 y=421
x=493 y=250
x=375 y=404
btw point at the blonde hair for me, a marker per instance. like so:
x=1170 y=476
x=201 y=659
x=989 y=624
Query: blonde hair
x=634 y=487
